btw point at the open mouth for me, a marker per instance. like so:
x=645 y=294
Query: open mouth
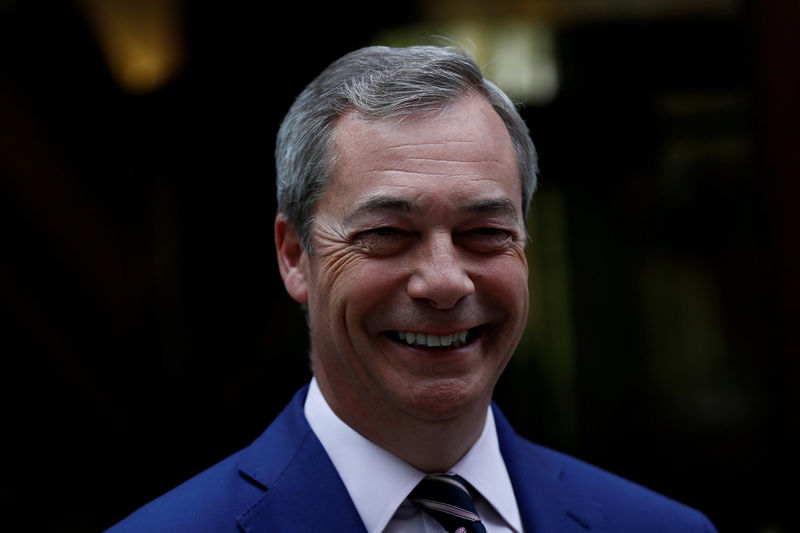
x=442 y=342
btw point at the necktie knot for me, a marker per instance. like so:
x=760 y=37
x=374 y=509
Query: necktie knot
x=446 y=498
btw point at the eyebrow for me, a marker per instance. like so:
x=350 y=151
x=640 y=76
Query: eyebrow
x=500 y=206
x=378 y=203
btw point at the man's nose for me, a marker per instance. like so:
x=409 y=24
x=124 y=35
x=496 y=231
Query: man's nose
x=440 y=276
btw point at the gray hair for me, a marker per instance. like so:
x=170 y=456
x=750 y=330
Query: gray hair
x=379 y=83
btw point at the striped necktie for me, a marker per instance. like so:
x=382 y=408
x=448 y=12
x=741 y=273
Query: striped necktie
x=446 y=498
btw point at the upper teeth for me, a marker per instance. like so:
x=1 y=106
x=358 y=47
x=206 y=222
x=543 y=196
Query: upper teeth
x=432 y=341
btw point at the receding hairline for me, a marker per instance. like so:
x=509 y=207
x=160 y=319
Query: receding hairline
x=381 y=83
x=335 y=148
x=383 y=202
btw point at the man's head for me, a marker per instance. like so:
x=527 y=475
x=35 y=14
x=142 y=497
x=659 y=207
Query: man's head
x=380 y=83
x=410 y=254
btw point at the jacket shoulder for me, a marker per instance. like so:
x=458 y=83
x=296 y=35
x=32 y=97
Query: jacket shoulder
x=215 y=499
x=210 y=501
x=623 y=504
x=557 y=492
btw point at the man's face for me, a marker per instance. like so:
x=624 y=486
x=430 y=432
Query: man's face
x=417 y=285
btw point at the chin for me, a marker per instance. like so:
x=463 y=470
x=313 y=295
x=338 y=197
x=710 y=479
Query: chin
x=444 y=399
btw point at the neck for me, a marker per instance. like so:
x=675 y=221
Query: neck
x=431 y=446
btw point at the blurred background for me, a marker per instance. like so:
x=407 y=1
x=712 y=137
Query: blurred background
x=146 y=331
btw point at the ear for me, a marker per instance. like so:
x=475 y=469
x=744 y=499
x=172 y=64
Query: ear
x=292 y=259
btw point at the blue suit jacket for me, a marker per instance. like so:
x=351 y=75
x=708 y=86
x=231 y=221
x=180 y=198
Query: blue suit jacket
x=285 y=482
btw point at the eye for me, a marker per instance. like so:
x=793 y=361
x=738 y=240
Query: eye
x=492 y=232
x=487 y=240
x=384 y=240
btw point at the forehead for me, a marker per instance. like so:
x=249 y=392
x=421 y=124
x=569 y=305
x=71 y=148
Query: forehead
x=460 y=150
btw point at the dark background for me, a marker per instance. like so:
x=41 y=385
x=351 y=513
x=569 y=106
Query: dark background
x=147 y=334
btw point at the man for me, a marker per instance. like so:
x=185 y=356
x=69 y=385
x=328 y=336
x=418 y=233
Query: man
x=404 y=180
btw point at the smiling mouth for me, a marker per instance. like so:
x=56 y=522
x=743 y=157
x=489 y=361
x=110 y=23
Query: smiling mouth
x=424 y=340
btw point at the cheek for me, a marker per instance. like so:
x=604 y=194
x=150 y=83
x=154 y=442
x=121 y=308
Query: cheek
x=510 y=268
x=505 y=279
x=350 y=285
x=336 y=266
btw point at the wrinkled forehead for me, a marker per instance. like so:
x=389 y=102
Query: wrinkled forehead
x=468 y=129
x=463 y=148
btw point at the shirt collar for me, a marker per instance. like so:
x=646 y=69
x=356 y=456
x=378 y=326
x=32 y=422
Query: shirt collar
x=483 y=467
x=359 y=462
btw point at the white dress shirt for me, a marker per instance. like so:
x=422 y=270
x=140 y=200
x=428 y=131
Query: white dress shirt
x=379 y=482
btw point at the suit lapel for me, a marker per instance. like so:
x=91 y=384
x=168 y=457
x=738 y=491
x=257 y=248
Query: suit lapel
x=545 y=502
x=303 y=490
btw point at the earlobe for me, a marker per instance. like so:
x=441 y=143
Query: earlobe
x=291 y=259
